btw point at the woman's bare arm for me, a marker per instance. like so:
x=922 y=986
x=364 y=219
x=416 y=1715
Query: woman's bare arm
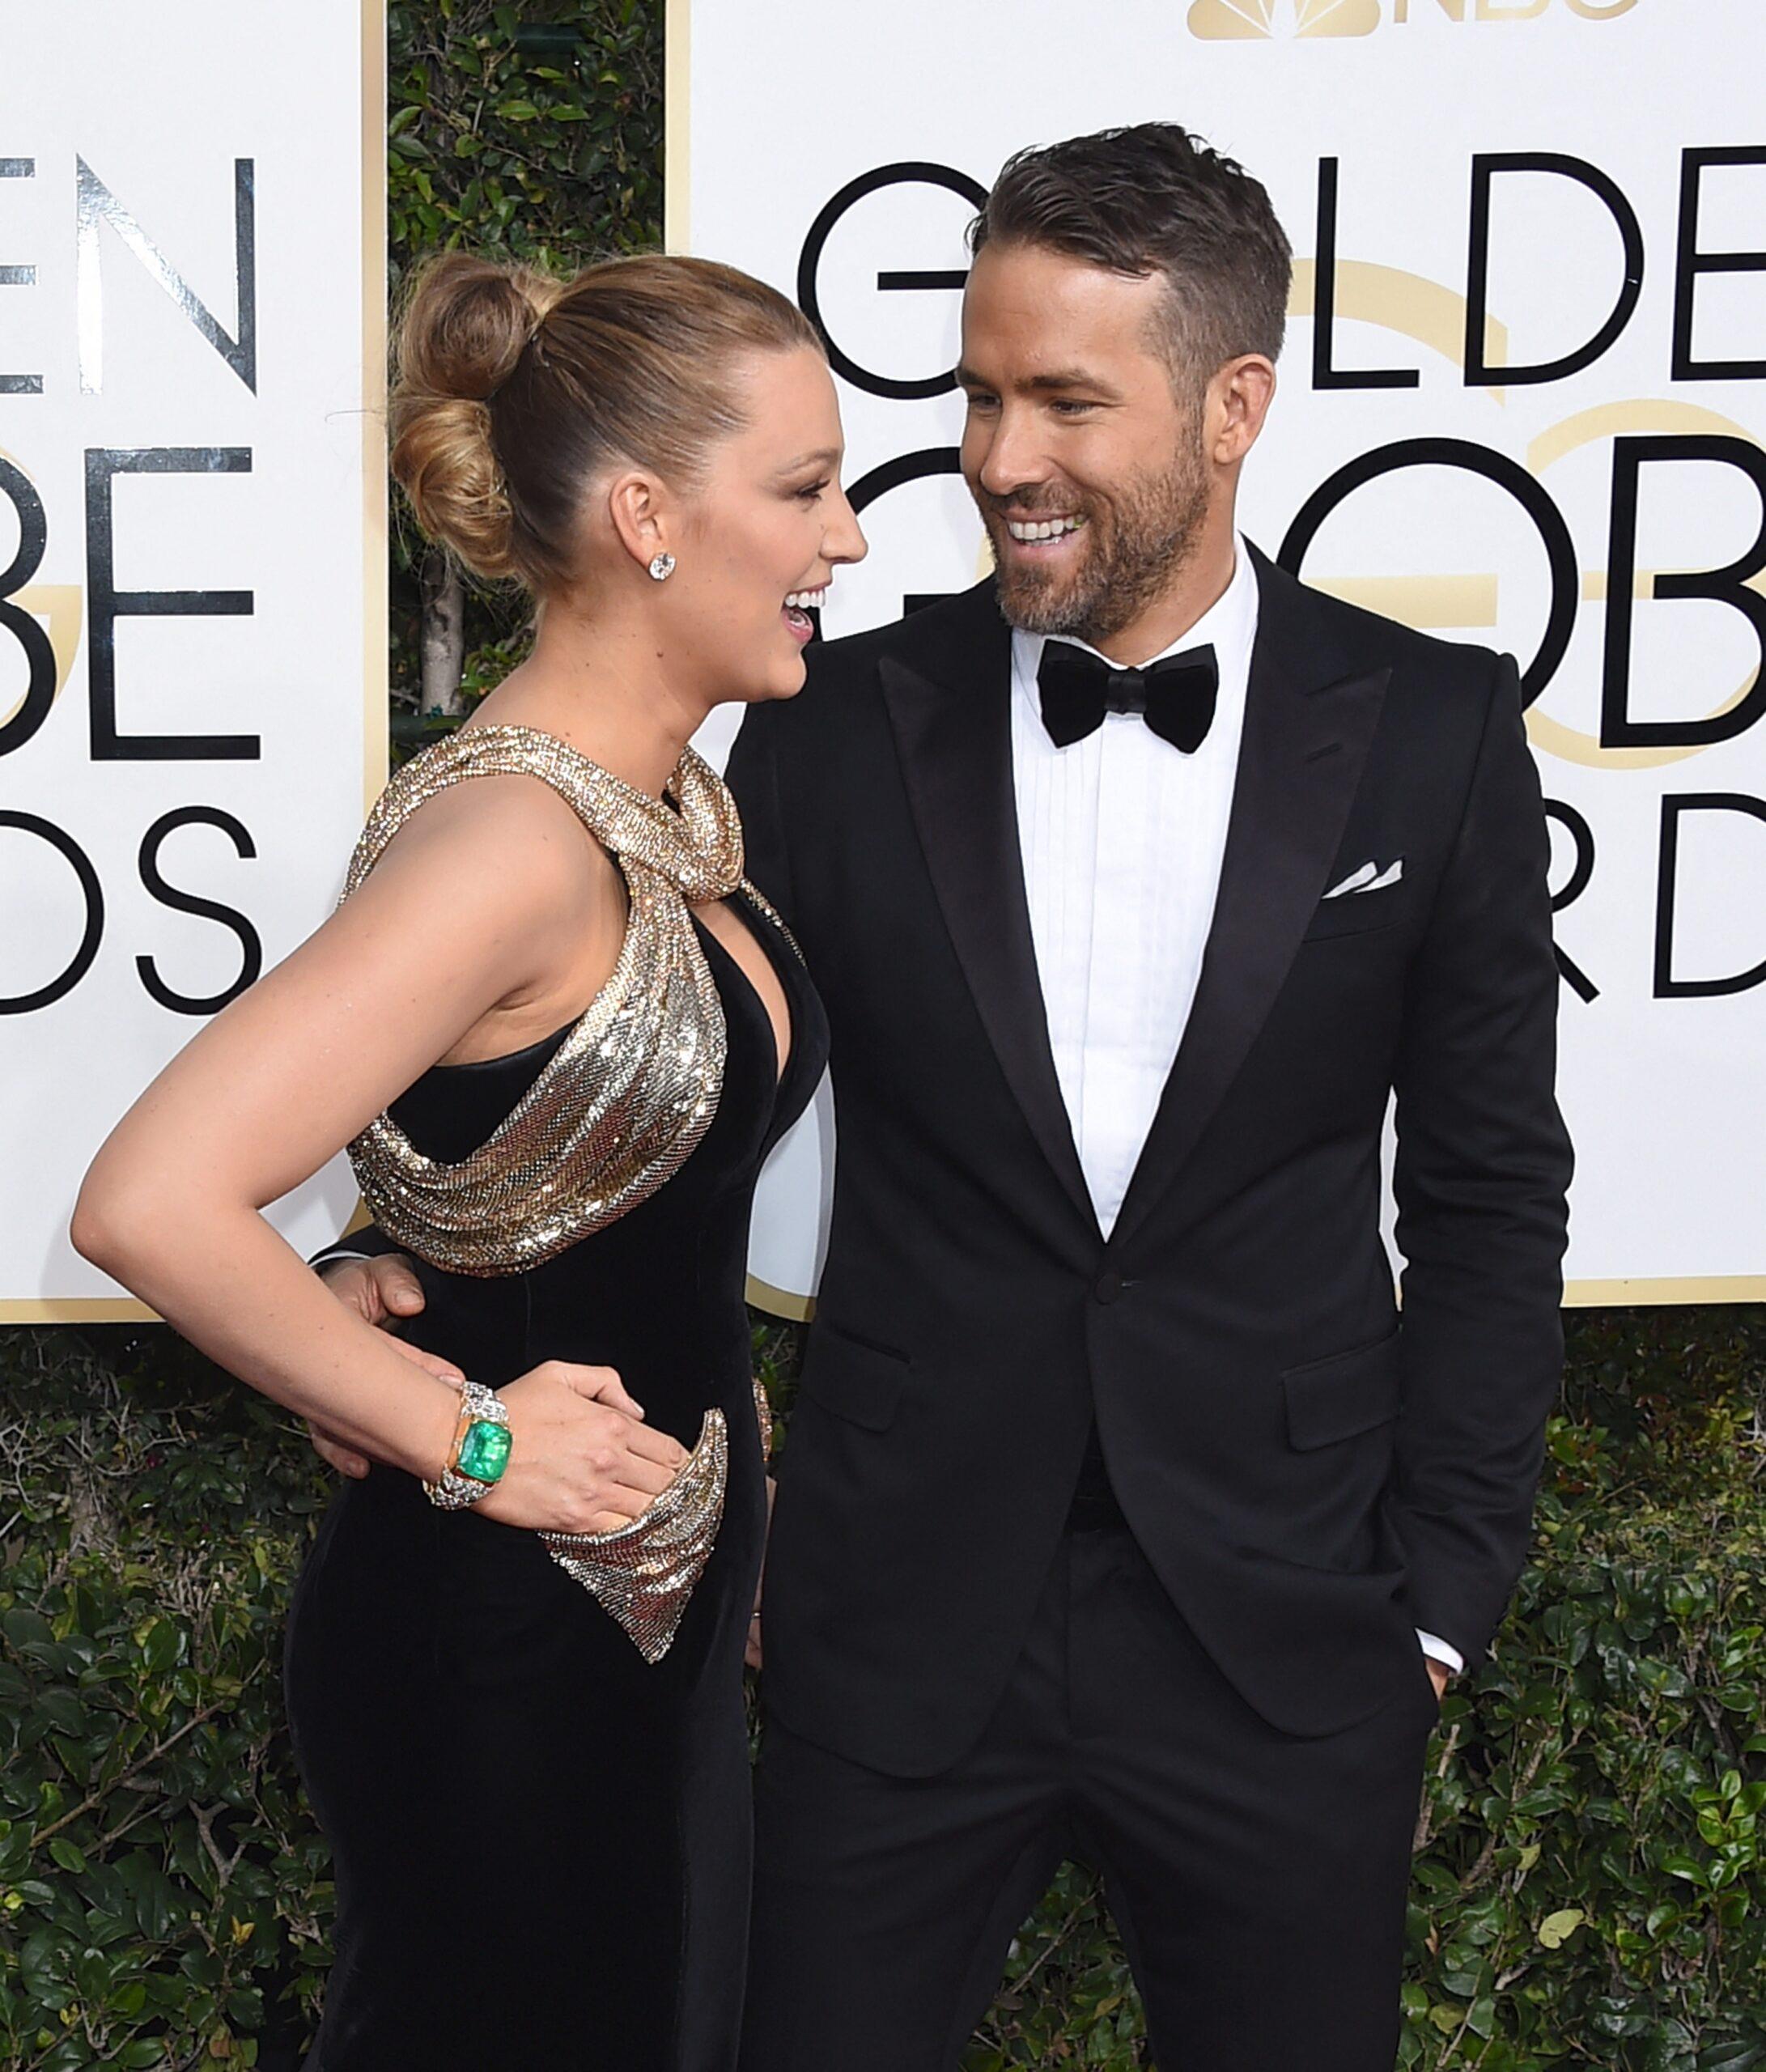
x=485 y=905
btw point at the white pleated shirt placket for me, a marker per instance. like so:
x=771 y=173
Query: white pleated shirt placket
x=1122 y=837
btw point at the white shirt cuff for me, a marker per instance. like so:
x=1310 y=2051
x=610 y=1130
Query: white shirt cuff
x=1440 y=1651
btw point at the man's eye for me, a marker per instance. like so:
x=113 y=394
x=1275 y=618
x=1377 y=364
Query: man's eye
x=980 y=400
x=1066 y=407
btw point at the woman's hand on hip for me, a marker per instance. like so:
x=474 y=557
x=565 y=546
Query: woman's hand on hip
x=583 y=1458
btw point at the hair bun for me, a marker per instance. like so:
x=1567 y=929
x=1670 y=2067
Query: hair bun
x=466 y=323
x=640 y=361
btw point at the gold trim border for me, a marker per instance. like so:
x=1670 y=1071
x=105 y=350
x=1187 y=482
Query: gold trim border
x=677 y=128
x=1712 y=1289
x=79 y=1309
x=1706 y=1291
x=1700 y=1290
x=376 y=664
x=776 y=1302
x=376 y=686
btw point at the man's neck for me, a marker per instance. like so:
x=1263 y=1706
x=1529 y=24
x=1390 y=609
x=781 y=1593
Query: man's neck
x=1196 y=587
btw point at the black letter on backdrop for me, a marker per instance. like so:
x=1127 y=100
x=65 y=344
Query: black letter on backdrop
x=1582 y=836
x=905 y=174
x=1484 y=165
x=1497 y=468
x=1690 y=262
x=252 y=962
x=19 y=277
x=97 y=205
x=108 y=604
x=1324 y=304
x=63 y=844
x=1668 y=987
x=895 y=474
x=39 y=655
x=1725 y=586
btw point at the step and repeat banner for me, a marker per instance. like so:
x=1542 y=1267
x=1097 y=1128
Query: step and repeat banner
x=1521 y=404
x=192 y=553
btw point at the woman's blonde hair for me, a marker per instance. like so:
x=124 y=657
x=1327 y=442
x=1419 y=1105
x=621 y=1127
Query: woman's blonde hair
x=514 y=389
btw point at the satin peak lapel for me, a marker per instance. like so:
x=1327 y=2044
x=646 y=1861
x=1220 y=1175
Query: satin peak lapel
x=952 y=718
x=1309 y=720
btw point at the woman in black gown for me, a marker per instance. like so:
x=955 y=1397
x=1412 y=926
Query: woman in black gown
x=517 y=1699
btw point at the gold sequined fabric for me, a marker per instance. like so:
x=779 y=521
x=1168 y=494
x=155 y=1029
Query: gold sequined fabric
x=613 y=1113
x=621 y=1104
x=644 y=1573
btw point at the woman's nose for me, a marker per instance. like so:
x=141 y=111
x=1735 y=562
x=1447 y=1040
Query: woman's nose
x=846 y=543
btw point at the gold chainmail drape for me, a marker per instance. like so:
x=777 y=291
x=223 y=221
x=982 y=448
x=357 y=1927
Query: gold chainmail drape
x=623 y=1101
x=613 y=1113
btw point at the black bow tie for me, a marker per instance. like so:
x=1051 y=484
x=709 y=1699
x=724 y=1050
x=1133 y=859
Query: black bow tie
x=1175 y=696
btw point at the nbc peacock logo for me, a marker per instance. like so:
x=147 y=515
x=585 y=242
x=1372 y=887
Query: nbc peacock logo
x=1219 y=19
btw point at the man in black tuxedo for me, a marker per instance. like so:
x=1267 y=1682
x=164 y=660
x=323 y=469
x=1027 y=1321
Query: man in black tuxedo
x=1117 y=1498
x=1121 y=1516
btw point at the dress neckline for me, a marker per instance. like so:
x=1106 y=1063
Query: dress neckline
x=763 y=936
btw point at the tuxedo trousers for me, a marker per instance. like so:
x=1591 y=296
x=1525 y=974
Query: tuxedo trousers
x=1258 y=1879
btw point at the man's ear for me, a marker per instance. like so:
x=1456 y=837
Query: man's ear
x=1239 y=397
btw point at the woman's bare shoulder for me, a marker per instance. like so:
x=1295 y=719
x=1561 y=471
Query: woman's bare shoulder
x=512 y=835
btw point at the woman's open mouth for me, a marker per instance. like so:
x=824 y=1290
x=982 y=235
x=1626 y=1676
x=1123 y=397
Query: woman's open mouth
x=797 y=608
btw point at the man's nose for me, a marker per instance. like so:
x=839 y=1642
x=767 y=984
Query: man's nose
x=1010 y=460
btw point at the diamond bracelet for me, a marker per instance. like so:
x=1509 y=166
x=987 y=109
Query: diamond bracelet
x=480 y=1453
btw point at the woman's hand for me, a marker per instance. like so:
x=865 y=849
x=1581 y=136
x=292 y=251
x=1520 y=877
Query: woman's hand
x=583 y=1459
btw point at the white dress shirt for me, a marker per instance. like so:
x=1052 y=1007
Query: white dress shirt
x=1121 y=837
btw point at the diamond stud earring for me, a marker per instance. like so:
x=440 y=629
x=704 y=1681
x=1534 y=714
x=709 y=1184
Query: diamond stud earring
x=662 y=568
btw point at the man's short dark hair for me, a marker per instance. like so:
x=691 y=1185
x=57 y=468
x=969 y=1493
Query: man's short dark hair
x=1154 y=199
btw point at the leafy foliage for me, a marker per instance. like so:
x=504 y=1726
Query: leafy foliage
x=535 y=133
x=162 y=1889
x=1588 y=1883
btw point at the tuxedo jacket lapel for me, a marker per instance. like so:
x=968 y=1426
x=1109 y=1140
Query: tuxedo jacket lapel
x=949 y=705
x=1308 y=719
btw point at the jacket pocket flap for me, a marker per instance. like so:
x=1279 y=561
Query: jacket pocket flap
x=1356 y=914
x=853 y=1378
x=1350 y=1392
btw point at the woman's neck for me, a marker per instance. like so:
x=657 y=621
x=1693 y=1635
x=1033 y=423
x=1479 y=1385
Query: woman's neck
x=605 y=687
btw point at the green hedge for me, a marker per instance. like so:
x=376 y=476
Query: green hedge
x=1587 y=1888
x=535 y=131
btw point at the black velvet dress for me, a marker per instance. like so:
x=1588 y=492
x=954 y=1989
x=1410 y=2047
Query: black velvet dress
x=541 y=1840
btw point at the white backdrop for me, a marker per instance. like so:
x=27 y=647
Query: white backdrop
x=1571 y=170
x=192 y=634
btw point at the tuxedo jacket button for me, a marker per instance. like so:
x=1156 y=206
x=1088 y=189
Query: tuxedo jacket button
x=1107 y=1286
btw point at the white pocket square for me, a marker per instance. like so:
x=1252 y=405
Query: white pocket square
x=1369 y=878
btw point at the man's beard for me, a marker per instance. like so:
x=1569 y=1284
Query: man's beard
x=1129 y=553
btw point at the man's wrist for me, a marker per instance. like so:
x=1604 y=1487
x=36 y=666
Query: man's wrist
x=1441 y=1651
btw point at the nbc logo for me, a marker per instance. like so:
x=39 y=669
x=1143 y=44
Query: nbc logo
x=1219 y=19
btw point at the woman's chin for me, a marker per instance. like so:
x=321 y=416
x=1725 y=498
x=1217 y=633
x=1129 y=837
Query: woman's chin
x=787 y=679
